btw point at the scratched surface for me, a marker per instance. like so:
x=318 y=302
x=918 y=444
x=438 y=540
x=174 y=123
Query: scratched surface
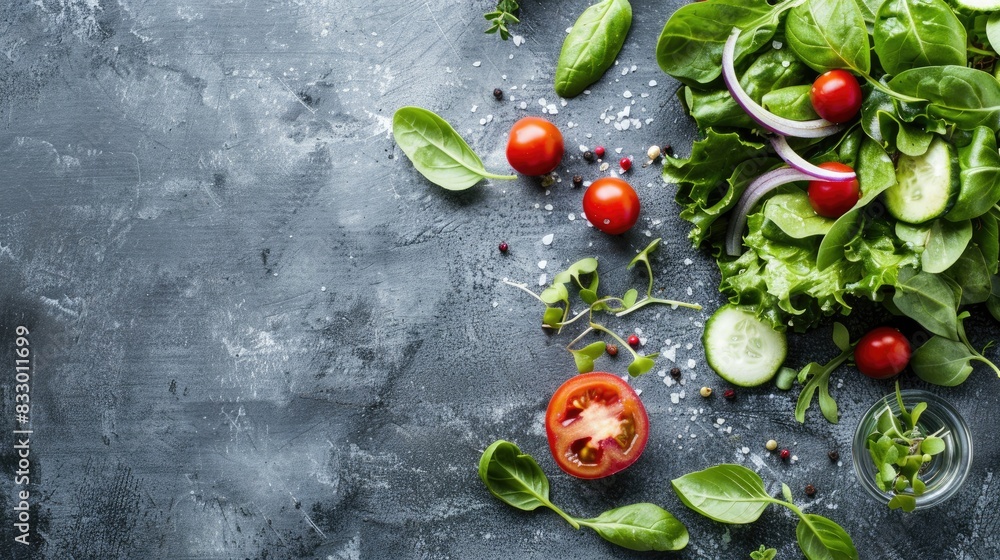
x=259 y=333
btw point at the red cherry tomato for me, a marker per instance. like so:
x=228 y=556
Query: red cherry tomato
x=836 y=96
x=596 y=425
x=833 y=199
x=611 y=205
x=882 y=353
x=535 y=146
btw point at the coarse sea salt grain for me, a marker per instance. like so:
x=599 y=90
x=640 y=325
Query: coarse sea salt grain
x=548 y=207
x=477 y=63
x=542 y=279
x=547 y=240
x=691 y=363
x=627 y=94
x=474 y=107
x=518 y=41
x=675 y=398
x=652 y=83
x=571 y=217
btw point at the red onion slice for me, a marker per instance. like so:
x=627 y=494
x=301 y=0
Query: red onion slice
x=755 y=190
x=792 y=158
x=818 y=128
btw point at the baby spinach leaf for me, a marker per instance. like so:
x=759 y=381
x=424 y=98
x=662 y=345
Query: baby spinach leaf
x=640 y=527
x=944 y=244
x=979 y=164
x=916 y=34
x=690 y=45
x=726 y=493
x=882 y=124
x=514 y=477
x=942 y=361
x=965 y=96
x=972 y=272
x=929 y=300
x=795 y=216
x=591 y=46
x=822 y=539
x=792 y=102
x=987 y=236
x=829 y=34
x=437 y=151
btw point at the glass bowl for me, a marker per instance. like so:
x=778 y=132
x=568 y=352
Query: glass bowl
x=945 y=473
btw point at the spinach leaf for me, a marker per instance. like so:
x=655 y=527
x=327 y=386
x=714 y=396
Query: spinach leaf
x=972 y=272
x=916 y=34
x=591 y=46
x=942 y=361
x=690 y=45
x=943 y=242
x=822 y=539
x=987 y=236
x=640 y=527
x=514 y=477
x=882 y=124
x=929 y=300
x=795 y=216
x=726 y=493
x=979 y=164
x=792 y=102
x=437 y=151
x=965 y=96
x=828 y=34
x=993 y=30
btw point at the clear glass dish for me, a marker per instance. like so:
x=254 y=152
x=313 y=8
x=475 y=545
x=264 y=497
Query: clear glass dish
x=945 y=473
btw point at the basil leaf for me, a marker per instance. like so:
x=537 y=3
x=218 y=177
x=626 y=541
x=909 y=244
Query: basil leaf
x=640 y=527
x=513 y=477
x=929 y=300
x=916 y=34
x=942 y=361
x=591 y=46
x=795 y=216
x=690 y=45
x=726 y=493
x=979 y=165
x=437 y=151
x=822 y=539
x=829 y=34
x=964 y=96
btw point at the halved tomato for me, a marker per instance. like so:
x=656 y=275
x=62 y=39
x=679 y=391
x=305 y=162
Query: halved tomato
x=596 y=425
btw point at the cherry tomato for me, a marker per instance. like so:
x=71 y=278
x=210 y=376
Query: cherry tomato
x=882 y=353
x=535 y=146
x=836 y=96
x=833 y=199
x=611 y=205
x=596 y=425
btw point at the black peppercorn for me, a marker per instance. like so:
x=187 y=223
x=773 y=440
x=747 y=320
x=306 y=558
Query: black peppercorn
x=498 y=94
x=588 y=155
x=810 y=490
x=833 y=455
x=577 y=181
x=675 y=372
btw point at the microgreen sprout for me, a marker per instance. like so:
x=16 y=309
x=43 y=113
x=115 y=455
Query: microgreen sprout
x=582 y=275
x=902 y=451
x=504 y=14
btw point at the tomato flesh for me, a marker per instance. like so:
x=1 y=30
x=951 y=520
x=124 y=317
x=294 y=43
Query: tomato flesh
x=882 y=353
x=535 y=146
x=611 y=205
x=596 y=425
x=836 y=96
x=832 y=199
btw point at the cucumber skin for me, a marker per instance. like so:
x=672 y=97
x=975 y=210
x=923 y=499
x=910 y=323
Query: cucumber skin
x=955 y=182
x=713 y=366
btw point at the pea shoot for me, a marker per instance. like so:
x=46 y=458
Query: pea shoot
x=583 y=276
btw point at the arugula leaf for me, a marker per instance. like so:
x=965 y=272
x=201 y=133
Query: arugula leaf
x=816 y=377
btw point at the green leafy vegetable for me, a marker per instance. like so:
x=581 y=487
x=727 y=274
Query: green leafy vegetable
x=516 y=479
x=591 y=46
x=437 y=151
x=967 y=97
x=763 y=553
x=735 y=494
x=917 y=34
x=816 y=378
x=505 y=13
x=583 y=276
x=829 y=34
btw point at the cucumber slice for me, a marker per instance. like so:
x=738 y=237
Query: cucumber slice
x=979 y=5
x=926 y=185
x=741 y=349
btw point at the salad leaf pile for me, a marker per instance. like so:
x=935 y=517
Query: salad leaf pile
x=928 y=73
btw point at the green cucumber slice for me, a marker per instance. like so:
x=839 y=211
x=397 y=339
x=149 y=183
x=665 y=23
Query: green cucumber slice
x=742 y=349
x=926 y=185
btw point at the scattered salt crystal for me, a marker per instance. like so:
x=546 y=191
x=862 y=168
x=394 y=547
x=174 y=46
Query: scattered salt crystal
x=542 y=279
x=688 y=346
x=571 y=217
x=495 y=304
x=694 y=436
x=688 y=262
x=652 y=83
x=745 y=450
x=542 y=264
x=618 y=150
x=675 y=398
x=322 y=288
x=547 y=240
x=583 y=148
x=624 y=71
x=503 y=77
x=563 y=102
x=634 y=68
x=690 y=291
x=691 y=363
x=568 y=29
x=720 y=421
x=605 y=166
x=489 y=118
x=627 y=94
x=552 y=108
x=624 y=125
x=548 y=207
x=482 y=121
x=586 y=92
x=541 y=101
x=776 y=44
x=518 y=41
x=477 y=63
x=474 y=107
x=524 y=105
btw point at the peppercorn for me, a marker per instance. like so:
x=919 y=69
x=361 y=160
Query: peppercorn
x=729 y=394
x=599 y=151
x=785 y=454
x=675 y=372
x=577 y=181
x=633 y=341
x=612 y=350
x=810 y=490
x=503 y=247
x=668 y=150
x=771 y=445
x=588 y=155
x=706 y=392
x=625 y=163
x=833 y=455
x=498 y=94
